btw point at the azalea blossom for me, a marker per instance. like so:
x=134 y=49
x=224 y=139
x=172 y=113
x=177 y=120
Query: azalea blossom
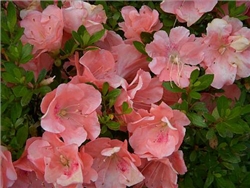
x=98 y=67
x=163 y=172
x=61 y=163
x=158 y=135
x=79 y=13
x=146 y=20
x=8 y=173
x=188 y=11
x=175 y=56
x=43 y=30
x=227 y=52
x=116 y=167
x=139 y=94
x=70 y=110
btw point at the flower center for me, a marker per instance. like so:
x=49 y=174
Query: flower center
x=64 y=161
x=62 y=113
x=174 y=58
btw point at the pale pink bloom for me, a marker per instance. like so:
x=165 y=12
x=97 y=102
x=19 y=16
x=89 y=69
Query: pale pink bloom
x=160 y=134
x=8 y=173
x=44 y=30
x=175 y=56
x=98 y=67
x=25 y=165
x=63 y=165
x=227 y=52
x=127 y=65
x=146 y=20
x=70 y=110
x=140 y=94
x=188 y=11
x=43 y=61
x=82 y=13
x=110 y=40
x=116 y=167
x=163 y=172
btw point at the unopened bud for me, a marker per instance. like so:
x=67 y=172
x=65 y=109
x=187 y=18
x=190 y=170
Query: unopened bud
x=47 y=81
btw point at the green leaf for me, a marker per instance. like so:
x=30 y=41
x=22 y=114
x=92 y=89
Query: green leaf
x=194 y=75
x=16 y=111
x=4 y=37
x=114 y=94
x=245 y=109
x=146 y=37
x=204 y=82
x=192 y=156
x=20 y=91
x=210 y=134
x=26 y=55
x=19 y=122
x=29 y=76
x=196 y=119
x=224 y=183
x=194 y=95
x=22 y=135
x=223 y=130
x=18 y=34
x=41 y=75
x=77 y=38
x=222 y=105
x=199 y=107
x=9 y=78
x=43 y=90
x=96 y=37
x=171 y=86
x=11 y=15
x=209 y=180
x=26 y=98
x=228 y=165
x=230 y=157
x=113 y=125
x=125 y=108
x=140 y=47
x=46 y=3
x=105 y=88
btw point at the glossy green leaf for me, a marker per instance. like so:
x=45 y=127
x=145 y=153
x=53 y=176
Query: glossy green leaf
x=96 y=36
x=171 y=86
x=196 y=119
x=11 y=15
x=26 y=98
x=140 y=47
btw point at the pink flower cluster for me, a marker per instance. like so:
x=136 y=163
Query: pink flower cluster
x=70 y=152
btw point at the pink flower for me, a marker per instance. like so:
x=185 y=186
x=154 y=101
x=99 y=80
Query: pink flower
x=158 y=135
x=43 y=61
x=44 y=30
x=127 y=65
x=98 y=67
x=146 y=20
x=82 y=13
x=62 y=164
x=70 y=110
x=188 y=11
x=227 y=51
x=174 y=56
x=115 y=166
x=140 y=94
x=8 y=173
x=163 y=173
